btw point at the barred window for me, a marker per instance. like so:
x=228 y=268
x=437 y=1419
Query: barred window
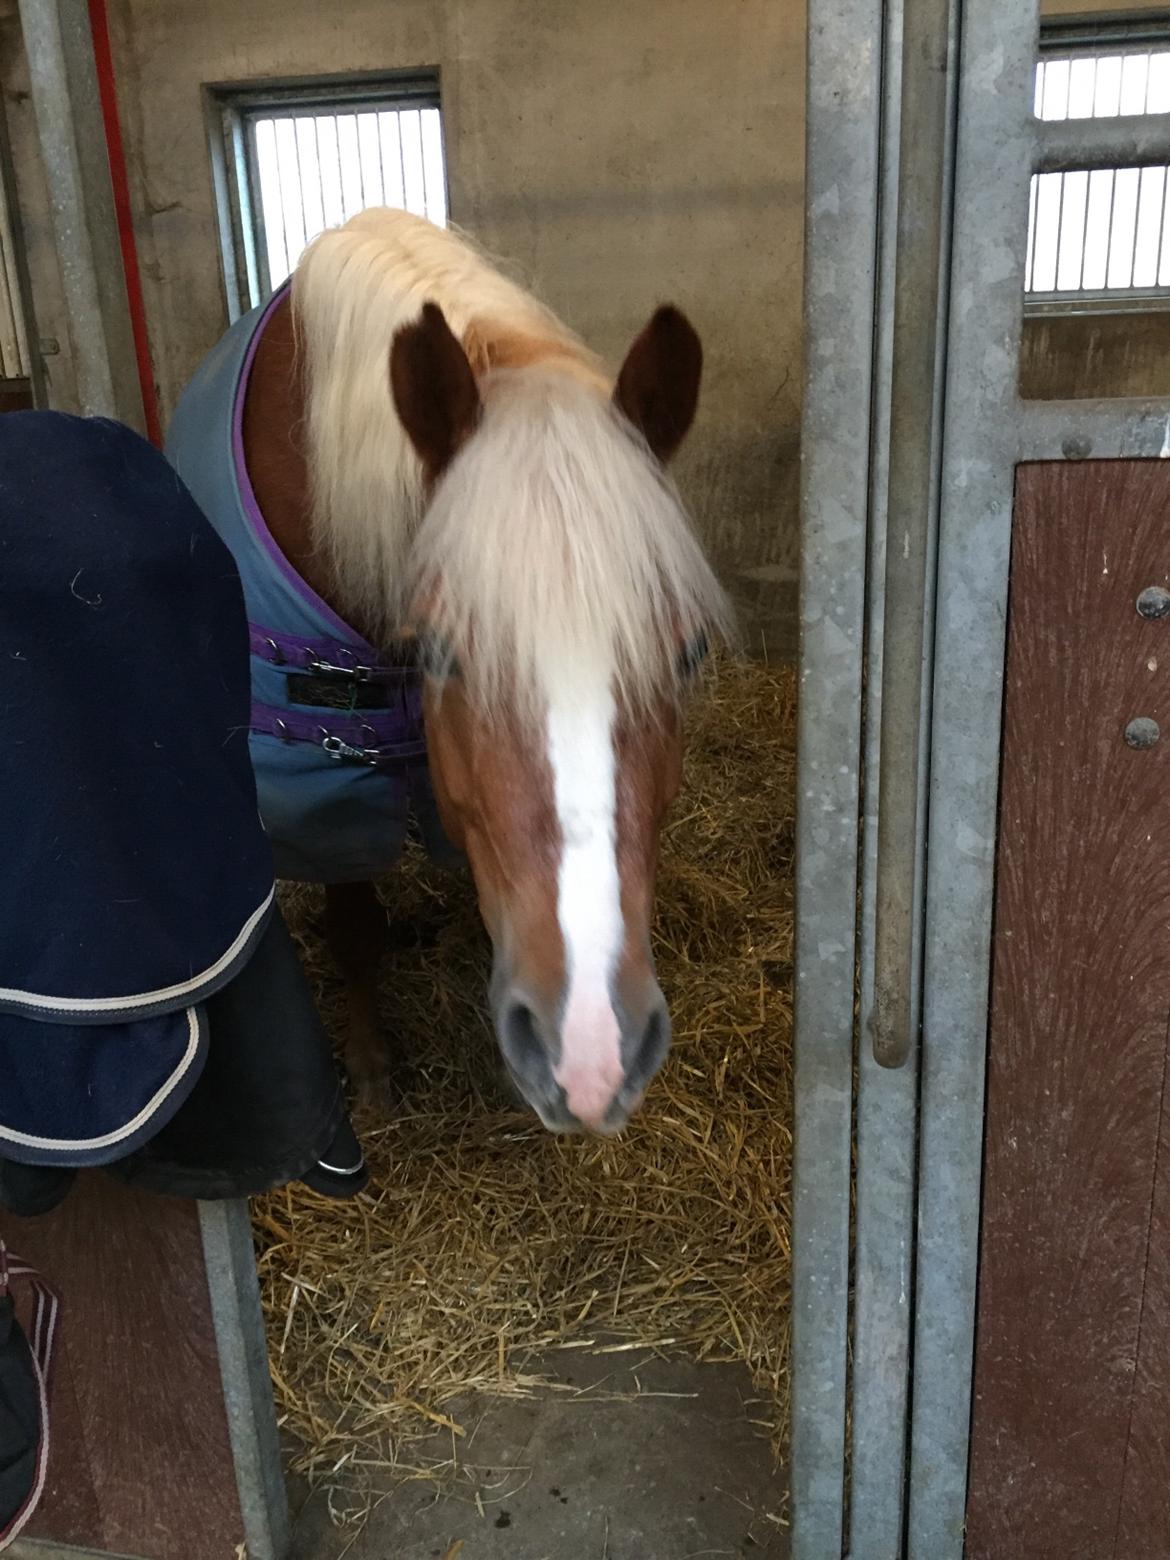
x=291 y=161
x=1100 y=237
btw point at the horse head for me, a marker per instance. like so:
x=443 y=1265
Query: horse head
x=562 y=604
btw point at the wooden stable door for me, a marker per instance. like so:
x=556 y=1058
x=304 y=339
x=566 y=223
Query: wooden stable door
x=140 y=1461
x=1071 y=1430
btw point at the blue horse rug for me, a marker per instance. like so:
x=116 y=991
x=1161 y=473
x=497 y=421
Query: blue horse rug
x=338 y=787
x=153 y=1014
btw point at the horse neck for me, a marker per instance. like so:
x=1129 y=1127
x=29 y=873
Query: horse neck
x=273 y=430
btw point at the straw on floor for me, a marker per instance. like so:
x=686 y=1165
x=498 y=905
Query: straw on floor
x=483 y=1241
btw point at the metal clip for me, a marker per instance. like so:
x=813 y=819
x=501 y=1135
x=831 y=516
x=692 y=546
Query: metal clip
x=327 y=669
x=339 y=750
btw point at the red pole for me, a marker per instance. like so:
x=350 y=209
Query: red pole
x=108 y=92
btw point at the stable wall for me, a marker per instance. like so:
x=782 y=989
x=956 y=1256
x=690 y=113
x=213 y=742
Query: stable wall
x=620 y=154
x=1075 y=355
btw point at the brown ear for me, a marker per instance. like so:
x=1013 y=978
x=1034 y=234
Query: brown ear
x=435 y=393
x=658 y=387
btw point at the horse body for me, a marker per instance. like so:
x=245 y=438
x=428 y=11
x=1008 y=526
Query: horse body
x=434 y=453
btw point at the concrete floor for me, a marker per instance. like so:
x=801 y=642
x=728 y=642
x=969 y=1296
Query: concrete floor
x=587 y=1474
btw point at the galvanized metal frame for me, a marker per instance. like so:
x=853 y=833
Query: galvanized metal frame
x=886 y=1108
x=994 y=146
x=232 y=197
x=1103 y=34
x=59 y=47
x=919 y=1138
x=887 y=1098
x=845 y=53
x=1124 y=429
x=917 y=344
x=1130 y=141
x=1098 y=302
x=233 y=1287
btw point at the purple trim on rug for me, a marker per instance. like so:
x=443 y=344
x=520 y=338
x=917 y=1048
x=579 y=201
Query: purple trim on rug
x=385 y=734
x=300 y=653
x=252 y=509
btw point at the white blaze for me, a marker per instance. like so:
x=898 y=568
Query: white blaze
x=581 y=756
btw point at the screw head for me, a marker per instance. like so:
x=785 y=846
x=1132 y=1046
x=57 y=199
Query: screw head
x=1142 y=732
x=1154 y=602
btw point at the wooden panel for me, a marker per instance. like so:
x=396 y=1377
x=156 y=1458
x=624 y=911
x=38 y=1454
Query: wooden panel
x=1071 y=1429
x=141 y=1464
x=1144 y=1526
x=15 y=395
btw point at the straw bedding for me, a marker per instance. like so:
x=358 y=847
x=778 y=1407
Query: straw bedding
x=484 y=1242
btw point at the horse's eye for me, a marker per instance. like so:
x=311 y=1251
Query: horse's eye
x=692 y=655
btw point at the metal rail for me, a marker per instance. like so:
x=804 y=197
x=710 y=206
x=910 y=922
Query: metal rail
x=229 y=1258
x=1092 y=429
x=59 y=47
x=1130 y=141
x=845 y=41
x=887 y=1099
x=922 y=222
x=992 y=167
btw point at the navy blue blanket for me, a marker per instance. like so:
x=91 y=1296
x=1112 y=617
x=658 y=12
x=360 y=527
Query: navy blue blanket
x=138 y=873
x=136 y=882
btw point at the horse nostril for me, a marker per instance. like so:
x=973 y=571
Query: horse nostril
x=522 y=1046
x=520 y=1037
x=650 y=1050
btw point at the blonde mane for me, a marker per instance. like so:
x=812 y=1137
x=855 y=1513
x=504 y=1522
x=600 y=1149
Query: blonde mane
x=553 y=545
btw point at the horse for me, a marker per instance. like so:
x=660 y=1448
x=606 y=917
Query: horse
x=449 y=468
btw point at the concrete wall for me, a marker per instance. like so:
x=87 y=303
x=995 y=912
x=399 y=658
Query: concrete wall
x=619 y=153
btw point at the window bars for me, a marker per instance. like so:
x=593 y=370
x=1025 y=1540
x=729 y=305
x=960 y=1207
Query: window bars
x=1100 y=236
x=315 y=169
x=292 y=158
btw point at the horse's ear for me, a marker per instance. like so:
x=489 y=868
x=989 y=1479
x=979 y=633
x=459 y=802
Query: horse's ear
x=658 y=387
x=435 y=394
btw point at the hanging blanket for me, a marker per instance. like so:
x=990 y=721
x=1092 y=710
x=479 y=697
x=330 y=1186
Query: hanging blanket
x=337 y=787
x=152 y=1011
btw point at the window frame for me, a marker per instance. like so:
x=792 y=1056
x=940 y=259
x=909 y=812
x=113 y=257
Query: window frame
x=1086 y=37
x=231 y=110
x=17 y=287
